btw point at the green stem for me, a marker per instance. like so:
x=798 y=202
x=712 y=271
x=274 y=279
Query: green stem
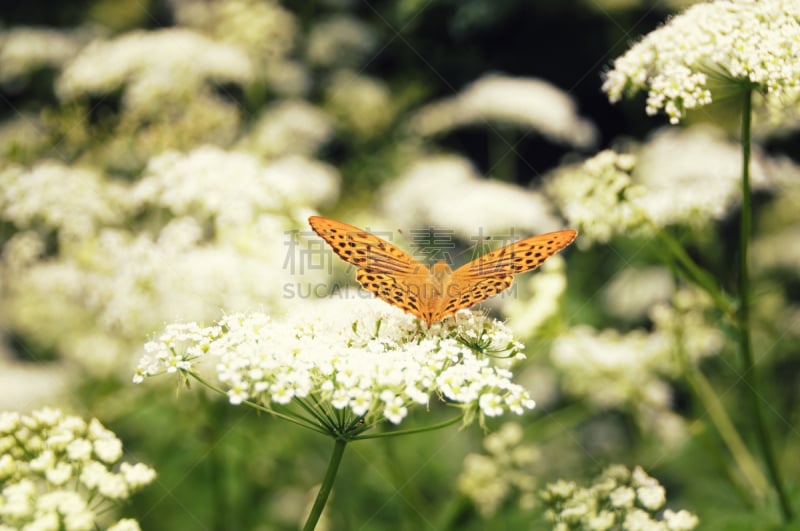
x=695 y=273
x=502 y=156
x=327 y=485
x=410 y=431
x=727 y=431
x=745 y=343
x=300 y=421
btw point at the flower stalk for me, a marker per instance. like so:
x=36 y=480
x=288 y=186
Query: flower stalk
x=745 y=342
x=327 y=484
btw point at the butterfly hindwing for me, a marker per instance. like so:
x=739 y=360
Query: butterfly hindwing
x=464 y=293
x=403 y=293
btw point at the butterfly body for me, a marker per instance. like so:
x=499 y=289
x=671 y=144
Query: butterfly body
x=433 y=294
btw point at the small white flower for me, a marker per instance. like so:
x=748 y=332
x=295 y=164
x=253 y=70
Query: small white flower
x=639 y=520
x=680 y=521
x=109 y=450
x=7 y=466
x=47 y=417
x=601 y=521
x=651 y=497
x=395 y=411
x=126 y=524
x=46 y=522
x=60 y=439
x=113 y=487
x=43 y=461
x=137 y=475
x=79 y=450
x=491 y=404
x=9 y=422
x=622 y=497
x=19 y=500
x=59 y=474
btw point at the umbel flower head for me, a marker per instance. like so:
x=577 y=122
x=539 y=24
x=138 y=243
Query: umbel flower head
x=56 y=473
x=711 y=48
x=617 y=499
x=347 y=364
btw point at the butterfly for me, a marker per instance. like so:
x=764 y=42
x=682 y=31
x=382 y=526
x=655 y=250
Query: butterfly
x=394 y=276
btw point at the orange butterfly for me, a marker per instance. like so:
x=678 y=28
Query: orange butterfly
x=433 y=294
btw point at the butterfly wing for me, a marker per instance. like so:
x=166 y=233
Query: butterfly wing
x=494 y=272
x=410 y=293
x=384 y=269
x=362 y=249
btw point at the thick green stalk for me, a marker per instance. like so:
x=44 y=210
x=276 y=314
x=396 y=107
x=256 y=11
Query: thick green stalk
x=694 y=272
x=748 y=466
x=745 y=343
x=327 y=485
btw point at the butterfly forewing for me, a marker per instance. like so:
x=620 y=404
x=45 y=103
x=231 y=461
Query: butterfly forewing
x=362 y=249
x=518 y=257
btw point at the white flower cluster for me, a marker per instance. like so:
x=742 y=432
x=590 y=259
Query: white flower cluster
x=617 y=499
x=21 y=136
x=232 y=188
x=339 y=41
x=25 y=49
x=489 y=479
x=685 y=321
x=492 y=207
x=679 y=176
x=612 y=369
x=632 y=370
x=108 y=287
x=538 y=299
x=711 y=44
x=360 y=357
x=525 y=102
x=56 y=473
x=363 y=104
x=74 y=202
x=694 y=175
x=775 y=248
x=94 y=303
x=598 y=197
x=153 y=67
x=291 y=126
x=631 y=293
x=264 y=30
